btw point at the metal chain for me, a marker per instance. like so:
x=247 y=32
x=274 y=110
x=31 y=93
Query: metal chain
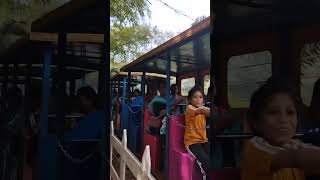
x=197 y=129
x=203 y=128
x=73 y=159
x=134 y=112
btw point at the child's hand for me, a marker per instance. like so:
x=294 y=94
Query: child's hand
x=292 y=145
x=162 y=113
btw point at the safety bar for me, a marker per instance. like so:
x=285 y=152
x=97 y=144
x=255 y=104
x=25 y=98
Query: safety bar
x=66 y=116
x=245 y=136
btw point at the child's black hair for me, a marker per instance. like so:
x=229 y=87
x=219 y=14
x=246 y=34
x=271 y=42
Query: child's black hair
x=262 y=97
x=192 y=91
x=89 y=93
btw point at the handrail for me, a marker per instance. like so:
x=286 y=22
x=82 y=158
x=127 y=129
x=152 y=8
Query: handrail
x=66 y=116
x=244 y=135
x=141 y=170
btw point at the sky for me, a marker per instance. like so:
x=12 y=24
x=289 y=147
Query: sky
x=168 y=20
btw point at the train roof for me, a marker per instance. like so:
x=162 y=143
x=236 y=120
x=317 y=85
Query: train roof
x=76 y=16
x=188 y=51
x=239 y=19
x=82 y=20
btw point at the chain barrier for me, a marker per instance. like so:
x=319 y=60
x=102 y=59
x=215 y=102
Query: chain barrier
x=193 y=129
x=134 y=112
x=71 y=158
x=197 y=129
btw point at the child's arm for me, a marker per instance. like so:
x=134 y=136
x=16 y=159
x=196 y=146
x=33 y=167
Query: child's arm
x=305 y=158
x=205 y=111
x=200 y=110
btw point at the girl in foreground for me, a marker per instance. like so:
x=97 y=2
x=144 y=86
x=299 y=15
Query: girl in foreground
x=195 y=139
x=273 y=154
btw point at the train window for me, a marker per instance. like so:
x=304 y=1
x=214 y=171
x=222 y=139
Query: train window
x=138 y=86
x=206 y=83
x=173 y=80
x=245 y=74
x=310 y=70
x=91 y=80
x=68 y=87
x=186 y=85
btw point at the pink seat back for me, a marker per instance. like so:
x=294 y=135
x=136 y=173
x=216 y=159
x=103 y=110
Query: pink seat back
x=147 y=116
x=154 y=141
x=182 y=164
x=176 y=140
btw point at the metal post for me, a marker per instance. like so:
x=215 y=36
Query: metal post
x=4 y=88
x=118 y=83
x=15 y=73
x=123 y=102
x=167 y=114
x=142 y=108
x=62 y=45
x=129 y=88
x=105 y=99
x=26 y=111
x=60 y=98
x=43 y=167
x=45 y=93
x=72 y=87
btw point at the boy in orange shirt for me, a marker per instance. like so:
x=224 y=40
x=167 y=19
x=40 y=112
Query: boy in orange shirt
x=273 y=154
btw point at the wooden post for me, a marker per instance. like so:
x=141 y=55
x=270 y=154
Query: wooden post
x=123 y=163
x=146 y=162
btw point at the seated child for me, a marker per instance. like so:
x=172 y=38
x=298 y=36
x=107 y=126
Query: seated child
x=273 y=154
x=195 y=138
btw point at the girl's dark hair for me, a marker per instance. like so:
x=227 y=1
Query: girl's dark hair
x=192 y=91
x=262 y=97
x=89 y=93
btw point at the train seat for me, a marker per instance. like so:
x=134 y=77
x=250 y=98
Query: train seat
x=155 y=143
x=134 y=128
x=182 y=164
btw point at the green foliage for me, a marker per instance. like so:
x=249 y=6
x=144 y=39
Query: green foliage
x=125 y=42
x=199 y=19
x=130 y=36
x=127 y=12
x=310 y=54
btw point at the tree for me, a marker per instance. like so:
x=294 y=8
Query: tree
x=130 y=36
x=127 y=12
x=199 y=19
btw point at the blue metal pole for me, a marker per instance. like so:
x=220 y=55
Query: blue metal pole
x=123 y=104
x=104 y=84
x=47 y=146
x=129 y=87
x=45 y=93
x=142 y=108
x=167 y=113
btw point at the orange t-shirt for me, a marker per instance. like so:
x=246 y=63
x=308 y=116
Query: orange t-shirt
x=256 y=163
x=192 y=136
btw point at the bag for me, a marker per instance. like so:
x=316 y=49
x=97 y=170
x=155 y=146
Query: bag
x=154 y=125
x=155 y=122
